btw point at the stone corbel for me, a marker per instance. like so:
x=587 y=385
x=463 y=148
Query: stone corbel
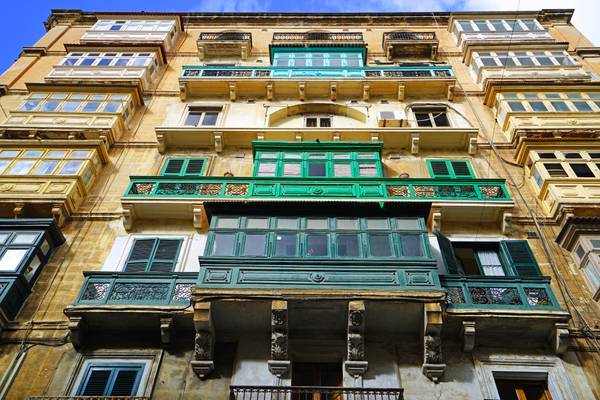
x=414 y=143
x=58 y=213
x=270 y=91
x=218 y=139
x=279 y=364
x=18 y=209
x=244 y=52
x=260 y=136
x=336 y=137
x=203 y=363
x=366 y=92
x=472 y=145
x=389 y=52
x=128 y=216
x=167 y=330
x=506 y=222
x=200 y=218
x=298 y=136
x=183 y=91
x=467 y=332
x=401 y=91
x=435 y=219
x=301 y=90
x=32 y=135
x=559 y=338
x=333 y=91
x=232 y=91
x=450 y=94
x=77 y=331
x=355 y=363
x=433 y=367
x=162 y=145
x=201 y=51
x=374 y=136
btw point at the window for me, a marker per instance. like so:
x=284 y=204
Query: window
x=328 y=164
x=555 y=170
x=202 y=116
x=326 y=58
x=510 y=389
x=450 y=169
x=505 y=257
x=153 y=255
x=581 y=170
x=497 y=25
x=317 y=121
x=77 y=102
x=46 y=162
x=111 y=379
x=134 y=25
x=318 y=237
x=184 y=167
x=431 y=117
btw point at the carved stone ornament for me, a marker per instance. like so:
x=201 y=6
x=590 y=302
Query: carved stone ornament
x=279 y=346
x=356 y=347
x=356 y=317
x=279 y=317
x=203 y=346
x=433 y=349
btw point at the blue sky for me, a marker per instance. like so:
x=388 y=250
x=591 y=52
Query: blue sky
x=22 y=22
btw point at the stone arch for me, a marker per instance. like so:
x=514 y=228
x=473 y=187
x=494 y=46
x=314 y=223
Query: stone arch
x=316 y=108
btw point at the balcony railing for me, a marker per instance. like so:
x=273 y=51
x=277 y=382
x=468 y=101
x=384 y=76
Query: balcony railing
x=404 y=72
x=88 y=398
x=312 y=393
x=499 y=292
x=224 y=36
x=488 y=190
x=286 y=37
x=114 y=288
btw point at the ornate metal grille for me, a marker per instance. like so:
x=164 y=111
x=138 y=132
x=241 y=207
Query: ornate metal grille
x=312 y=393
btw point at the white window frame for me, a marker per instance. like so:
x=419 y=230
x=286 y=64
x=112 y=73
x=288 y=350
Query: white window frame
x=459 y=29
x=319 y=117
x=204 y=108
x=431 y=110
x=114 y=56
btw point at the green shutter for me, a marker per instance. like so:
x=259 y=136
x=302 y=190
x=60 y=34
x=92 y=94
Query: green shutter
x=461 y=169
x=96 y=383
x=438 y=169
x=125 y=382
x=111 y=380
x=184 y=167
x=173 y=166
x=165 y=256
x=450 y=169
x=519 y=255
x=447 y=253
x=140 y=255
x=195 y=166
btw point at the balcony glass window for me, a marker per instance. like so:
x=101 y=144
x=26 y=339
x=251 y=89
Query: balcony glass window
x=498 y=25
x=318 y=237
x=202 y=116
x=134 y=25
x=108 y=59
x=46 y=162
x=521 y=59
x=16 y=247
x=322 y=164
x=332 y=58
x=549 y=102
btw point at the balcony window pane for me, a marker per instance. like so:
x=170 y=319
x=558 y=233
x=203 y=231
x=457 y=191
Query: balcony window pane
x=287 y=223
x=547 y=155
x=70 y=106
x=104 y=61
x=91 y=106
x=3 y=237
x=255 y=244
x=79 y=154
x=412 y=245
x=311 y=122
x=525 y=61
x=490 y=263
x=377 y=223
x=407 y=224
x=140 y=62
x=582 y=106
x=530 y=24
x=70 y=167
x=544 y=61
x=45 y=167
x=347 y=246
x=423 y=119
x=112 y=107
x=582 y=170
x=3 y=165
x=25 y=238
x=317 y=169
x=560 y=106
x=595 y=243
x=316 y=223
x=49 y=106
x=87 y=61
x=227 y=222
x=317 y=245
x=537 y=106
x=367 y=169
x=224 y=244
x=466 y=26
x=482 y=26
x=563 y=60
x=291 y=169
x=295 y=156
x=488 y=61
x=379 y=245
x=573 y=156
x=21 y=167
x=285 y=244
x=516 y=106
x=32 y=154
x=9 y=153
x=266 y=169
x=193 y=118
x=346 y=223
x=555 y=170
x=440 y=119
x=257 y=223
x=56 y=154
x=342 y=170
x=210 y=119
x=11 y=259
x=122 y=62
x=30 y=105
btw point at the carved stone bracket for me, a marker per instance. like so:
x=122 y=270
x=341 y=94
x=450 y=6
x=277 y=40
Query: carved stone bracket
x=559 y=338
x=401 y=91
x=414 y=143
x=435 y=219
x=203 y=363
x=467 y=332
x=451 y=89
x=162 y=145
x=77 y=331
x=59 y=213
x=366 y=92
x=279 y=363
x=199 y=215
x=433 y=367
x=506 y=222
x=355 y=363
x=270 y=91
x=232 y=91
x=128 y=216
x=472 y=145
x=301 y=90
x=218 y=139
x=167 y=330
x=333 y=91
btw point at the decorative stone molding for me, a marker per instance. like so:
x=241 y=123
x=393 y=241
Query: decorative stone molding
x=301 y=90
x=200 y=218
x=232 y=91
x=506 y=222
x=467 y=332
x=433 y=367
x=58 y=213
x=414 y=143
x=333 y=91
x=279 y=364
x=203 y=363
x=355 y=363
x=218 y=139
x=270 y=91
x=162 y=144
x=401 y=91
x=451 y=89
x=167 y=330
x=366 y=92
x=128 y=216
x=559 y=338
x=77 y=331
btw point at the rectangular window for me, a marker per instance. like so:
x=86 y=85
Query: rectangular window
x=555 y=170
x=510 y=389
x=118 y=379
x=202 y=116
x=516 y=106
x=317 y=121
x=380 y=246
x=255 y=244
x=581 y=170
x=285 y=244
x=435 y=117
x=348 y=245
x=450 y=169
x=153 y=255
x=184 y=167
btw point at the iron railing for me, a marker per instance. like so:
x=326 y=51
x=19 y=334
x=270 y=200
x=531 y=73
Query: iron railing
x=88 y=398
x=317 y=37
x=312 y=393
x=408 y=36
x=225 y=36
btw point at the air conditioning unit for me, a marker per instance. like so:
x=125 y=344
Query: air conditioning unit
x=391 y=118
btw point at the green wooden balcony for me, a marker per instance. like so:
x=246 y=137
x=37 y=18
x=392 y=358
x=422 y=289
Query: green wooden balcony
x=499 y=292
x=126 y=288
x=286 y=188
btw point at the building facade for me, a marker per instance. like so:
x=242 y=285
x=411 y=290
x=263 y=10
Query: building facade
x=284 y=206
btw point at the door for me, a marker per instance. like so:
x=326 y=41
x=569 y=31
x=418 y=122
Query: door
x=509 y=389
x=322 y=378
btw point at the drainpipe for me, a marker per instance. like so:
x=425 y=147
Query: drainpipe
x=10 y=374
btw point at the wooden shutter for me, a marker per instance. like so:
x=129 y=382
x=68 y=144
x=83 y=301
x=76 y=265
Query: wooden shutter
x=461 y=169
x=519 y=255
x=96 y=382
x=439 y=168
x=447 y=253
x=140 y=255
x=194 y=166
x=165 y=256
x=125 y=382
x=173 y=166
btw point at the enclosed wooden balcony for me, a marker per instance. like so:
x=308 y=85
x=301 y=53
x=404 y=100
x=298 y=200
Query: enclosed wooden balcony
x=404 y=44
x=304 y=83
x=224 y=44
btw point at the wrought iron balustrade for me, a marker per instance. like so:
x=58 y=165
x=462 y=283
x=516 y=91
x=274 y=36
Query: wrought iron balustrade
x=431 y=189
x=224 y=36
x=287 y=37
x=408 y=36
x=88 y=398
x=112 y=288
x=312 y=393
x=499 y=292
x=419 y=72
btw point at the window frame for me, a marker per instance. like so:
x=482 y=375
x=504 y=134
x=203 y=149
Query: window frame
x=151 y=259
x=203 y=110
x=184 y=166
x=431 y=111
x=450 y=168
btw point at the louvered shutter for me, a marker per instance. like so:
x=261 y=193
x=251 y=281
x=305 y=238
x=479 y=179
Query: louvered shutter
x=519 y=255
x=173 y=166
x=96 y=383
x=125 y=382
x=140 y=255
x=461 y=169
x=165 y=255
x=194 y=166
x=447 y=254
x=439 y=168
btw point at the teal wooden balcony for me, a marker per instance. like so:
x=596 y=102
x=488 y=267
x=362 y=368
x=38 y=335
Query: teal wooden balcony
x=125 y=288
x=499 y=292
x=316 y=82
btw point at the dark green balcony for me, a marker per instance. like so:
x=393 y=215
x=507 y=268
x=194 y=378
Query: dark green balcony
x=499 y=292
